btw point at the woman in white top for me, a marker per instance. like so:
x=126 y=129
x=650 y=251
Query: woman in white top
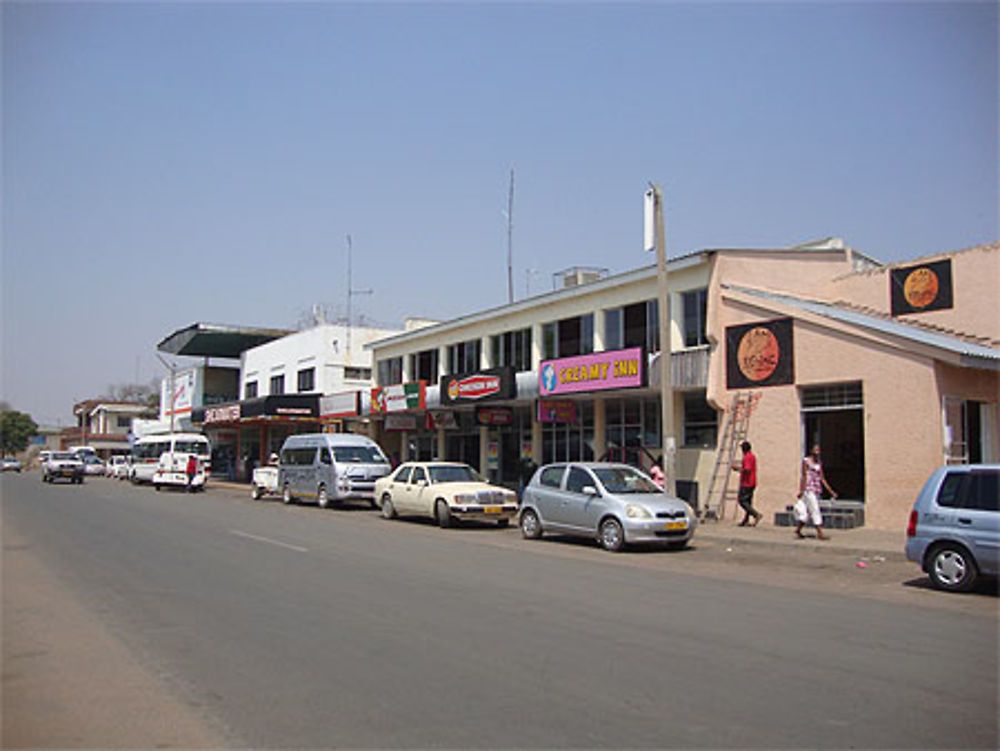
x=811 y=485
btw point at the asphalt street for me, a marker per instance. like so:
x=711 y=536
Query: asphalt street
x=278 y=627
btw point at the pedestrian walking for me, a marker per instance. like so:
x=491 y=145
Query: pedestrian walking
x=192 y=471
x=656 y=472
x=811 y=484
x=748 y=484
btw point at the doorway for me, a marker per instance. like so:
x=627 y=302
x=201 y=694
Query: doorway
x=833 y=417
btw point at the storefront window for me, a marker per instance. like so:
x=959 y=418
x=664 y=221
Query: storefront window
x=701 y=422
x=566 y=443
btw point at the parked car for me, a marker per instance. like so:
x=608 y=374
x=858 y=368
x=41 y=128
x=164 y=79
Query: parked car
x=446 y=492
x=63 y=465
x=92 y=464
x=10 y=464
x=116 y=466
x=330 y=467
x=954 y=527
x=615 y=504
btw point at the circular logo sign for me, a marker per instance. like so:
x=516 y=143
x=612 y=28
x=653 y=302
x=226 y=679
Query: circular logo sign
x=758 y=354
x=921 y=288
x=453 y=389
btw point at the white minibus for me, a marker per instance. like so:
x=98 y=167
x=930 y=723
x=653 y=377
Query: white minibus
x=147 y=451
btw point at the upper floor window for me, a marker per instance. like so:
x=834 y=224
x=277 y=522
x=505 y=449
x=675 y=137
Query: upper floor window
x=306 y=380
x=464 y=357
x=278 y=384
x=635 y=325
x=390 y=371
x=250 y=390
x=357 y=374
x=512 y=348
x=695 y=306
x=568 y=337
x=424 y=366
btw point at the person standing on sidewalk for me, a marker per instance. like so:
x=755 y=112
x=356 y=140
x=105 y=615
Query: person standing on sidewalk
x=811 y=484
x=192 y=471
x=748 y=484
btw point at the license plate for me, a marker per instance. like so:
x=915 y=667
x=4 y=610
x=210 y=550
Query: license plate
x=493 y=509
x=676 y=525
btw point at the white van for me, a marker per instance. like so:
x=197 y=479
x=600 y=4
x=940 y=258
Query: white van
x=148 y=451
x=330 y=467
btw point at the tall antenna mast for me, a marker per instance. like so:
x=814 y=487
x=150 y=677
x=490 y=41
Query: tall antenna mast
x=351 y=292
x=510 y=240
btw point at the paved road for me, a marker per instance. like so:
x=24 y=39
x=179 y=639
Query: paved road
x=277 y=627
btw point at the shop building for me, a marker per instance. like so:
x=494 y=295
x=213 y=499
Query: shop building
x=304 y=381
x=821 y=337
x=104 y=425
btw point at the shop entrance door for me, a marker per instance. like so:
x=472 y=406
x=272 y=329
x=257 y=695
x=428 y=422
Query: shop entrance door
x=840 y=434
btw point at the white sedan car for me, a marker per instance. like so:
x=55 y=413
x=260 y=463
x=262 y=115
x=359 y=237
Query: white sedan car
x=444 y=491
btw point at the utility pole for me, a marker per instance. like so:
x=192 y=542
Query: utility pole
x=668 y=442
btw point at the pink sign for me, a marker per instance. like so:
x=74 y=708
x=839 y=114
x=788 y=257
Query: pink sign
x=617 y=369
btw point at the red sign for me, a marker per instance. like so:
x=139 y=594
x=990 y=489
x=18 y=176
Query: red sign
x=474 y=387
x=494 y=416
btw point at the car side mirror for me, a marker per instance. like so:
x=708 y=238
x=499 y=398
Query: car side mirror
x=590 y=490
x=421 y=483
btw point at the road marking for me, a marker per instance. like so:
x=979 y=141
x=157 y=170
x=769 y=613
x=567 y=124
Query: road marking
x=269 y=541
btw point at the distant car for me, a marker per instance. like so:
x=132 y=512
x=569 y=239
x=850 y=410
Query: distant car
x=117 y=466
x=447 y=492
x=92 y=464
x=615 y=504
x=954 y=527
x=10 y=464
x=63 y=465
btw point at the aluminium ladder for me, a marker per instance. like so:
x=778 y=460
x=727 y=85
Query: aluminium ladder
x=734 y=432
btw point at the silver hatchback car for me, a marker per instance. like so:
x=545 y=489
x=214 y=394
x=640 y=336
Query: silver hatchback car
x=954 y=528
x=615 y=504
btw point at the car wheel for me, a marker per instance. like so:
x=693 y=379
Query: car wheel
x=611 y=535
x=322 y=499
x=157 y=486
x=443 y=514
x=374 y=503
x=677 y=544
x=388 y=510
x=286 y=495
x=256 y=492
x=531 y=527
x=952 y=568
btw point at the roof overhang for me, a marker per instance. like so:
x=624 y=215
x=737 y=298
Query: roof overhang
x=217 y=340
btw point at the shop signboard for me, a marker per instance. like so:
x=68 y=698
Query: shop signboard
x=615 y=369
x=760 y=354
x=223 y=413
x=480 y=386
x=918 y=289
x=493 y=454
x=347 y=404
x=288 y=406
x=399 y=422
x=441 y=419
x=557 y=411
x=399 y=397
x=494 y=416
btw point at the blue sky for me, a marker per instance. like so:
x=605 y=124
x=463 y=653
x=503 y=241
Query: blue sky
x=179 y=162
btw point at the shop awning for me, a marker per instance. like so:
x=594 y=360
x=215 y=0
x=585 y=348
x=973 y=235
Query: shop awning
x=217 y=340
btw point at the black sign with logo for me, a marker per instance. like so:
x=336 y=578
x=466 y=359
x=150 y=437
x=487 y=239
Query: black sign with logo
x=480 y=386
x=918 y=289
x=290 y=406
x=760 y=354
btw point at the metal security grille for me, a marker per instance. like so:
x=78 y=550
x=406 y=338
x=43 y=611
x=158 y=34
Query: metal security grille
x=832 y=396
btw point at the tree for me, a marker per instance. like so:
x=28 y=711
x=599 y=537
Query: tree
x=136 y=393
x=16 y=429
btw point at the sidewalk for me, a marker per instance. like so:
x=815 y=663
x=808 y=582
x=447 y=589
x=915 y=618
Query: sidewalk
x=859 y=542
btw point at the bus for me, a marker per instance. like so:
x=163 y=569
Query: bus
x=146 y=452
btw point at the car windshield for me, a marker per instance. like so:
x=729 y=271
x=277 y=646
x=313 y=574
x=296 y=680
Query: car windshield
x=191 y=447
x=452 y=473
x=625 y=480
x=358 y=455
x=64 y=456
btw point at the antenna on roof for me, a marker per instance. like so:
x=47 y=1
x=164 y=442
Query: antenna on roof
x=351 y=292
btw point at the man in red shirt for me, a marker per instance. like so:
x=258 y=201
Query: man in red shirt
x=748 y=484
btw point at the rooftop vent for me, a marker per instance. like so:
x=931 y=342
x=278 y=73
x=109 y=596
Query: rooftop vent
x=576 y=276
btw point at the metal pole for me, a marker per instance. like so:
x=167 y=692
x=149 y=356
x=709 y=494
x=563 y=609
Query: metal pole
x=666 y=384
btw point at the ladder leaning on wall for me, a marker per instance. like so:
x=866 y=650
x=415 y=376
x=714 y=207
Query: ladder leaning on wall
x=734 y=432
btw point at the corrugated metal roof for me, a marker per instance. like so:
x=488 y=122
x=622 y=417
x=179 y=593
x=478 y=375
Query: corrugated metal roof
x=976 y=355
